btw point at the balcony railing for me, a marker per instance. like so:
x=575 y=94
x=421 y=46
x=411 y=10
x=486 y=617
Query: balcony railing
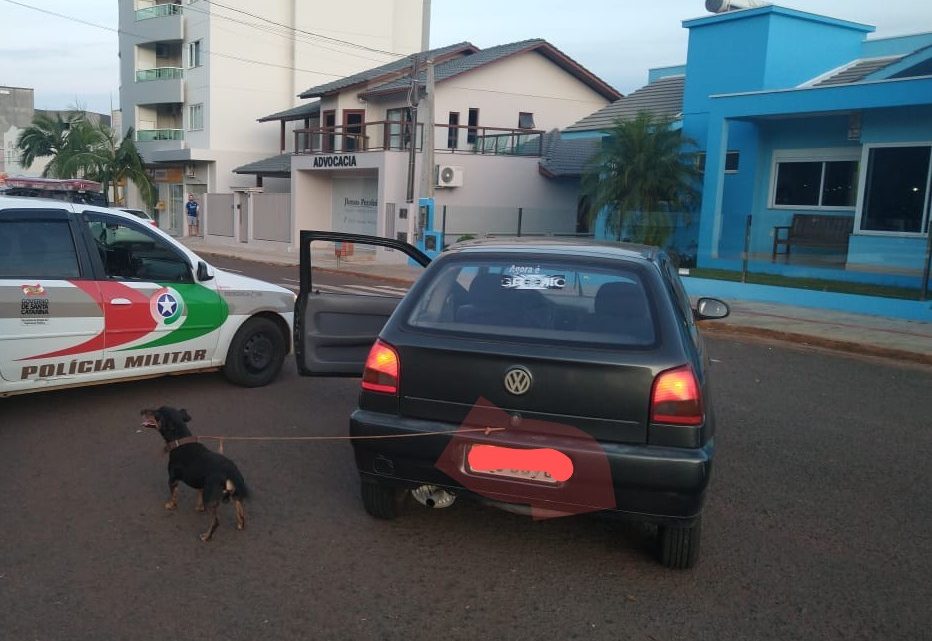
x=388 y=135
x=158 y=11
x=150 y=135
x=161 y=73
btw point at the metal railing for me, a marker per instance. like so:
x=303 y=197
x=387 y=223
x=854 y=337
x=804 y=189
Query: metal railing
x=160 y=73
x=158 y=11
x=150 y=135
x=390 y=135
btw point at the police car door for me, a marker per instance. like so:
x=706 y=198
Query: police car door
x=159 y=318
x=51 y=321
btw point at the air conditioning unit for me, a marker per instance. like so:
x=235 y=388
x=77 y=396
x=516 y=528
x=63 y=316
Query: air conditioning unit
x=190 y=170
x=449 y=176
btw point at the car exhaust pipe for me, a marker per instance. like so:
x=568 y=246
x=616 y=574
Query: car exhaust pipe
x=433 y=497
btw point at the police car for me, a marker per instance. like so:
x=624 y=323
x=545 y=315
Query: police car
x=91 y=294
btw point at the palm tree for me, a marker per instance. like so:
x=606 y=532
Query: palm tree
x=81 y=148
x=46 y=136
x=95 y=152
x=642 y=175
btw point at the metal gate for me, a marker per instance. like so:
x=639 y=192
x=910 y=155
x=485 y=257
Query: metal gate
x=218 y=215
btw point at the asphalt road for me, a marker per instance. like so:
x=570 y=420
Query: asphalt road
x=817 y=524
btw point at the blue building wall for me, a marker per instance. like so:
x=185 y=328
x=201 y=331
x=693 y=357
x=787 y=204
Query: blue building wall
x=761 y=115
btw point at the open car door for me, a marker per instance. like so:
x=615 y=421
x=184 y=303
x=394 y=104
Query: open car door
x=350 y=285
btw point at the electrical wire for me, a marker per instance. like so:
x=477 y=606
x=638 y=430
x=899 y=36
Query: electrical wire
x=136 y=35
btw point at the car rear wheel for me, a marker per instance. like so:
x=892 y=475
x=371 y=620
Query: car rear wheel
x=381 y=501
x=679 y=546
x=256 y=353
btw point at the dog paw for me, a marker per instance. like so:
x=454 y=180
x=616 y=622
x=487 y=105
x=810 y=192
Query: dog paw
x=205 y=537
x=240 y=526
x=171 y=505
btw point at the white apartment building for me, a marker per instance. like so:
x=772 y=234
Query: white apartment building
x=194 y=75
x=347 y=150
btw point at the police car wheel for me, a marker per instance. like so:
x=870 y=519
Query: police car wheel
x=256 y=354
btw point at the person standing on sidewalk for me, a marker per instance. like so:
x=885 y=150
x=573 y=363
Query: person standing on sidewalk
x=191 y=209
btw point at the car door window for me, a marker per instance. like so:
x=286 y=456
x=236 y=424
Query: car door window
x=130 y=252
x=37 y=249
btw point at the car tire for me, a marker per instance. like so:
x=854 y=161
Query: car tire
x=256 y=353
x=381 y=501
x=679 y=546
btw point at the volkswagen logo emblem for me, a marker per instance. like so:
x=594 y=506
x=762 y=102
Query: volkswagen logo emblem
x=518 y=380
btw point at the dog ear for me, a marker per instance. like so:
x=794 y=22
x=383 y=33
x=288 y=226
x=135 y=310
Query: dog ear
x=185 y=416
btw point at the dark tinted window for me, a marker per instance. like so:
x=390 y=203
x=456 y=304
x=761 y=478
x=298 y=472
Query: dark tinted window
x=37 y=249
x=544 y=300
x=129 y=252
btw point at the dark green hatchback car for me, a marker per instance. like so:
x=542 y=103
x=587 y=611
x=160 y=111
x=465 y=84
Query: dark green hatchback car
x=543 y=376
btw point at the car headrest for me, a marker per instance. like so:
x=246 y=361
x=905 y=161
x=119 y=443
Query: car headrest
x=620 y=299
x=485 y=288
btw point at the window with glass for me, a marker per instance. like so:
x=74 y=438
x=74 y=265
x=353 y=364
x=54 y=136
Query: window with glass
x=196 y=116
x=473 y=132
x=896 y=189
x=453 y=132
x=399 y=128
x=194 y=54
x=815 y=184
x=130 y=252
x=37 y=249
x=732 y=159
x=549 y=301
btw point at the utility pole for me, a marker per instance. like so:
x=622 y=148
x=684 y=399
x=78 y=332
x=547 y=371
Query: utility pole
x=427 y=164
x=413 y=98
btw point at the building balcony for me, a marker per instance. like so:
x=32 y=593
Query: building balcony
x=160 y=73
x=149 y=141
x=386 y=135
x=158 y=23
x=157 y=86
x=158 y=11
x=152 y=135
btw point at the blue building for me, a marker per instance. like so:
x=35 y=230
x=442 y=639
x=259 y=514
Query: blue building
x=822 y=135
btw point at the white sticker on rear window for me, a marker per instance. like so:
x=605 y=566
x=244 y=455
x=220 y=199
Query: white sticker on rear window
x=534 y=281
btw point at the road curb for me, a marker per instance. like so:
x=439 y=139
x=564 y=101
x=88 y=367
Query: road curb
x=719 y=328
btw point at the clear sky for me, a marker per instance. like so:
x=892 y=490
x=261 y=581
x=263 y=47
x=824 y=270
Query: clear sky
x=619 y=40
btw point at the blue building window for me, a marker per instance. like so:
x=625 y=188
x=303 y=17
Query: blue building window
x=896 y=189
x=815 y=184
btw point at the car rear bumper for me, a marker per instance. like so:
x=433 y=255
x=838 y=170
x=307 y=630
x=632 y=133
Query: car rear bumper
x=653 y=483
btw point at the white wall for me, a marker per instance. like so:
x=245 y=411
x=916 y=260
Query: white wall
x=525 y=82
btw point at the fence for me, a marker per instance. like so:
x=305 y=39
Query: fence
x=814 y=248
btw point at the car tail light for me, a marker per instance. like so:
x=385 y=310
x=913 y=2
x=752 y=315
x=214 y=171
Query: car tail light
x=675 y=398
x=381 y=373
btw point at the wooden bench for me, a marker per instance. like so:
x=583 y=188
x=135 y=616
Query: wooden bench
x=813 y=230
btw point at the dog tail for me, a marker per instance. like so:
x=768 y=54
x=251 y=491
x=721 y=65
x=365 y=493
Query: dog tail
x=236 y=486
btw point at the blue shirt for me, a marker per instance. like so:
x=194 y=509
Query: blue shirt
x=191 y=208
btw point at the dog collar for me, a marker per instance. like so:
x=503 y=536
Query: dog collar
x=171 y=445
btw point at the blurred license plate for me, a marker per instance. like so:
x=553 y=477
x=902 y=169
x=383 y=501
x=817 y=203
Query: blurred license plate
x=538 y=465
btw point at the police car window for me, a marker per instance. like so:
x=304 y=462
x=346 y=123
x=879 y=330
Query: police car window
x=37 y=249
x=129 y=253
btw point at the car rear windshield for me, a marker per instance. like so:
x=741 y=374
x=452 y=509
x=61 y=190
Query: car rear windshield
x=549 y=300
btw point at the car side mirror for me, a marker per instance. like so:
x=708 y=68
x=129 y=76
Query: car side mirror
x=711 y=308
x=204 y=272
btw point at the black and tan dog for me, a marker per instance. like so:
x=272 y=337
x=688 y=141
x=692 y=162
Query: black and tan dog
x=214 y=476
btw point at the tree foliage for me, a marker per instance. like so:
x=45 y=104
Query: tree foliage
x=641 y=175
x=81 y=148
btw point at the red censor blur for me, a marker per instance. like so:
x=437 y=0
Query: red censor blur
x=553 y=468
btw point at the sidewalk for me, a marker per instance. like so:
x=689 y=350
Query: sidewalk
x=861 y=334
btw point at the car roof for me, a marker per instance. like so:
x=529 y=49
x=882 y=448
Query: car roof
x=557 y=247
x=29 y=202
